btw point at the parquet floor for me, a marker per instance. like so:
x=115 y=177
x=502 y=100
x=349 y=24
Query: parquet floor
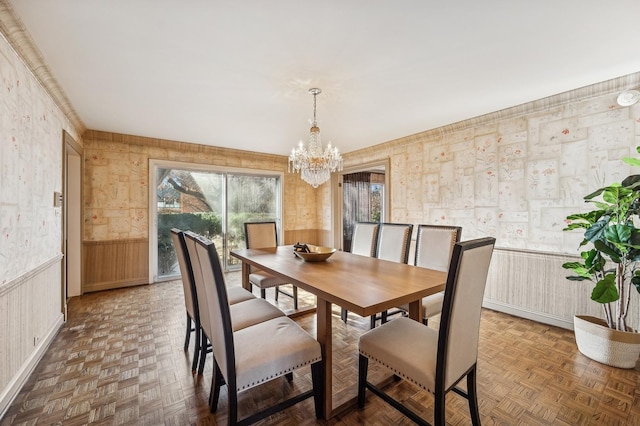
x=119 y=361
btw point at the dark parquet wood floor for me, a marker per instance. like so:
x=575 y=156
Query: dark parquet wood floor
x=119 y=360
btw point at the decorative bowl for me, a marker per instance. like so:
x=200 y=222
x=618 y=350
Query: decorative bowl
x=317 y=254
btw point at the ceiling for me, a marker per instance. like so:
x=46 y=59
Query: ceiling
x=236 y=73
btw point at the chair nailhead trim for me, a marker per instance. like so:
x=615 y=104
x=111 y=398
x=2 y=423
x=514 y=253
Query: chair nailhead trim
x=396 y=372
x=281 y=373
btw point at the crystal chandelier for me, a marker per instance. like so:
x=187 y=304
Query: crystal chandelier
x=314 y=164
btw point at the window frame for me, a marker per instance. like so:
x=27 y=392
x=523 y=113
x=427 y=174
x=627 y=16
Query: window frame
x=155 y=164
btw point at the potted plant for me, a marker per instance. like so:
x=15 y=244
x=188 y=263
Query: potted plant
x=611 y=260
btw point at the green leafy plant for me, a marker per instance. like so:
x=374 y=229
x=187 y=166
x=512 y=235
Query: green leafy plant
x=612 y=239
x=207 y=224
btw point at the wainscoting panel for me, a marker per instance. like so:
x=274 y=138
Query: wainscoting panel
x=533 y=285
x=33 y=304
x=114 y=264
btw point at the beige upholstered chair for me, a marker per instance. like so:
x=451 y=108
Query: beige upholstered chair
x=434 y=246
x=237 y=294
x=394 y=240
x=436 y=360
x=365 y=237
x=263 y=235
x=190 y=298
x=256 y=354
x=245 y=311
x=363 y=242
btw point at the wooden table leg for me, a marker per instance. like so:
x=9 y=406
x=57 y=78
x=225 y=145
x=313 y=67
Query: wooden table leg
x=245 y=276
x=415 y=310
x=323 y=327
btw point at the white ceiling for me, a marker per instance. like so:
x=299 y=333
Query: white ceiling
x=236 y=73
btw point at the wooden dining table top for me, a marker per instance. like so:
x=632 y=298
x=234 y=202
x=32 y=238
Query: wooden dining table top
x=363 y=285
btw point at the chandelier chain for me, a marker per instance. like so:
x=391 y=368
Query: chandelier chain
x=314 y=109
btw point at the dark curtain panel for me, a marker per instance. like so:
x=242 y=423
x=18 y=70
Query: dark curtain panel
x=356 y=205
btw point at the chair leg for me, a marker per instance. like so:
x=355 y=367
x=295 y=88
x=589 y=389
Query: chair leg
x=203 y=352
x=425 y=321
x=372 y=322
x=438 y=410
x=263 y=293
x=472 y=396
x=277 y=291
x=216 y=384
x=233 y=406
x=384 y=317
x=196 y=349
x=187 y=338
x=363 y=366
x=295 y=297
x=343 y=315
x=318 y=387
x=289 y=377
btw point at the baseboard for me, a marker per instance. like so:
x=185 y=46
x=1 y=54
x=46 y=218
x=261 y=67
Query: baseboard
x=531 y=315
x=15 y=385
x=88 y=288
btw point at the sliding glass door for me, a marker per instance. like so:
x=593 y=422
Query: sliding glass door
x=209 y=201
x=250 y=198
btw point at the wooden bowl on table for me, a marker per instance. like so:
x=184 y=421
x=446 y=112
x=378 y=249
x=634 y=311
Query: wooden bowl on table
x=315 y=254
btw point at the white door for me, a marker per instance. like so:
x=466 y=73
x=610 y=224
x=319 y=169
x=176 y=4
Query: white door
x=72 y=220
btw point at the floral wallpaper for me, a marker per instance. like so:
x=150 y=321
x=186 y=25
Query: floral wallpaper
x=30 y=169
x=116 y=185
x=517 y=178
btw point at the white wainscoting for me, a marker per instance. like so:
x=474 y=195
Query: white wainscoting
x=533 y=285
x=30 y=317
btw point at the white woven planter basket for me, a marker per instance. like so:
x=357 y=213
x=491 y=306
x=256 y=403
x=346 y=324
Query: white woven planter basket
x=600 y=343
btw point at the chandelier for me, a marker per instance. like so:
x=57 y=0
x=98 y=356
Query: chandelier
x=314 y=164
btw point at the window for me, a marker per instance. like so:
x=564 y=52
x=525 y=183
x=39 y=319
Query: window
x=213 y=202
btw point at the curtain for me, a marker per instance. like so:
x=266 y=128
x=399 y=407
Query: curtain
x=357 y=203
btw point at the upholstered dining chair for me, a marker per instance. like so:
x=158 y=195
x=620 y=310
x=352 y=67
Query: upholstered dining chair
x=263 y=235
x=435 y=360
x=244 y=313
x=236 y=294
x=190 y=298
x=363 y=243
x=394 y=241
x=365 y=238
x=434 y=246
x=254 y=355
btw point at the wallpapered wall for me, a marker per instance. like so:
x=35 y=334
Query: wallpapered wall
x=31 y=131
x=31 y=169
x=516 y=178
x=116 y=186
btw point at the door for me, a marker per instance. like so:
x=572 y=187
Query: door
x=211 y=201
x=363 y=201
x=362 y=196
x=72 y=220
x=250 y=198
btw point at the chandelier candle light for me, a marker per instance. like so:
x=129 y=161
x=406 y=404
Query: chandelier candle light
x=314 y=164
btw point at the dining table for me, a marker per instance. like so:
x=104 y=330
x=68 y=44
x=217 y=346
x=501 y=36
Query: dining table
x=362 y=285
